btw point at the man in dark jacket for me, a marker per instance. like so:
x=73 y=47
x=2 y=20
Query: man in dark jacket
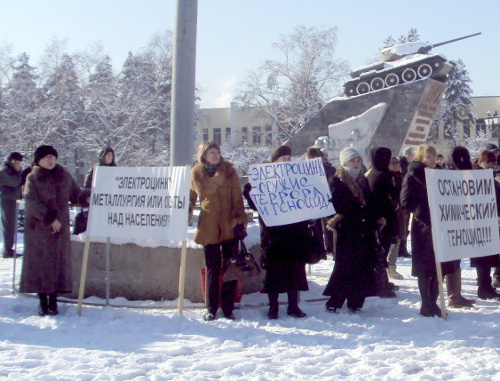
x=10 y=192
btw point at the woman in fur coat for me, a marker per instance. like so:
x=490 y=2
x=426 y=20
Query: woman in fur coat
x=356 y=222
x=216 y=183
x=285 y=248
x=47 y=265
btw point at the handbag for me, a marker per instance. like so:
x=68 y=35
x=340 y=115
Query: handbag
x=381 y=263
x=315 y=243
x=80 y=223
x=240 y=266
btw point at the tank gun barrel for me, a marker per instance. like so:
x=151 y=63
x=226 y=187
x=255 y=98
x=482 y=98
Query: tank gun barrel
x=455 y=40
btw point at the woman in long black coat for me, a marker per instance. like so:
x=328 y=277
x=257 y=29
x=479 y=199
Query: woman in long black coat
x=414 y=198
x=356 y=223
x=483 y=265
x=285 y=249
x=384 y=192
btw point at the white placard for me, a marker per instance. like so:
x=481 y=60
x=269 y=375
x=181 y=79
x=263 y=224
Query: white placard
x=463 y=210
x=289 y=192
x=140 y=203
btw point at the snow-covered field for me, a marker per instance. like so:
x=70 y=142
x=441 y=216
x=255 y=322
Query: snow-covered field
x=388 y=340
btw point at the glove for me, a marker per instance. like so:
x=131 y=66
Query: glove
x=239 y=231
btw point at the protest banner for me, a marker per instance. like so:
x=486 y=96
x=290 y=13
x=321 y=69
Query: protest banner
x=140 y=203
x=143 y=203
x=463 y=209
x=290 y=192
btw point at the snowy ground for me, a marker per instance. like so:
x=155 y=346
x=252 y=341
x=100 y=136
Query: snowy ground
x=388 y=340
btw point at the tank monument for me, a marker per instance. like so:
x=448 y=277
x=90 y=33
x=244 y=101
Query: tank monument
x=390 y=103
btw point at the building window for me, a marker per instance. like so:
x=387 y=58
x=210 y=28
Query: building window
x=228 y=133
x=205 y=135
x=269 y=136
x=256 y=136
x=244 y=134
x=217 y=135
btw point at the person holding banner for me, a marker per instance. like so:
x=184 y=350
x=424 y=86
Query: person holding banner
x=483 y=265
x=106 y=158
x=47 y=265
x=285 y=250
x=221 y=223
x=356 y=222
x=414 y=198
x=457 y=158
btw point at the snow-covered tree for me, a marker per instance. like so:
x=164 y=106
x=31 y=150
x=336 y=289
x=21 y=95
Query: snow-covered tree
x=139 y=139
x=6 y=60
x=291 y=88
x=22 y=107
x=477 y=144
x=237 y=150
x=101 y=106
x=457 y=101
x=412 y=36
x=62 y=114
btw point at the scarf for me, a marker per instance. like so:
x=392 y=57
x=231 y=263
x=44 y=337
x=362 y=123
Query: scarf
x=210 y=168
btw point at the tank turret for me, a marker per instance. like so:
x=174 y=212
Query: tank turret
x=401 y=63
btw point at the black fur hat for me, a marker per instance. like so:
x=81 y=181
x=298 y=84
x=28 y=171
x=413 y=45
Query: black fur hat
x=43 y=151
x=280 y=151
x=15 y=156
x=458 y=158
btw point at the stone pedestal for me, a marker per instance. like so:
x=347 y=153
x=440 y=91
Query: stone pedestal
x=145 y=273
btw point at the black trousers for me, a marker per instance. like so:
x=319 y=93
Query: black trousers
x=484 y=278
x=213 y=259
x=9 y=221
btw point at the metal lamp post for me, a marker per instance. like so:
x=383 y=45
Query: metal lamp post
x=493 y=123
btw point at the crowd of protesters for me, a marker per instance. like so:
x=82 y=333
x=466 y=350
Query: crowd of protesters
x=370 y=229
x=374 y=204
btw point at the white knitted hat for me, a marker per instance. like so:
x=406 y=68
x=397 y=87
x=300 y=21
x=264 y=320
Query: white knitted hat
x=347 y=154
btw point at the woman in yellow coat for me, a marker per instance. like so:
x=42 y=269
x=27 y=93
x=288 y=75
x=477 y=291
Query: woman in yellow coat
x=215 y=182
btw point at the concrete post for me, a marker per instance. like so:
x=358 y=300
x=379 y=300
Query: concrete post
x=183 y=86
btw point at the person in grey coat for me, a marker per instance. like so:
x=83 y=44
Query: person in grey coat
x=47 y=265
x=10 y=192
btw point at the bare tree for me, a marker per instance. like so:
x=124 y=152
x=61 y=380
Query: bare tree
x=6 y=60
x=293 y=87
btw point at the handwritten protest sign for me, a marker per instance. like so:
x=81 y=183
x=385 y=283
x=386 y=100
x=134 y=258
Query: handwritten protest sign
x=141 y=203
x=290 y=192
x=463 y=210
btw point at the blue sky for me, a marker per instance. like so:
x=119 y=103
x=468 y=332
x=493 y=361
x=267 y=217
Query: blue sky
x=236 y=35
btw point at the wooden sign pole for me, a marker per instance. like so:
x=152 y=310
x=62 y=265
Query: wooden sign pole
x=83 y=276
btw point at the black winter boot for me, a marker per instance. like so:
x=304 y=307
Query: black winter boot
x=53 y=304
x=293 y=305
x=428 y=307
x=272 y=314
x=485 y=290
x=43 y=308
